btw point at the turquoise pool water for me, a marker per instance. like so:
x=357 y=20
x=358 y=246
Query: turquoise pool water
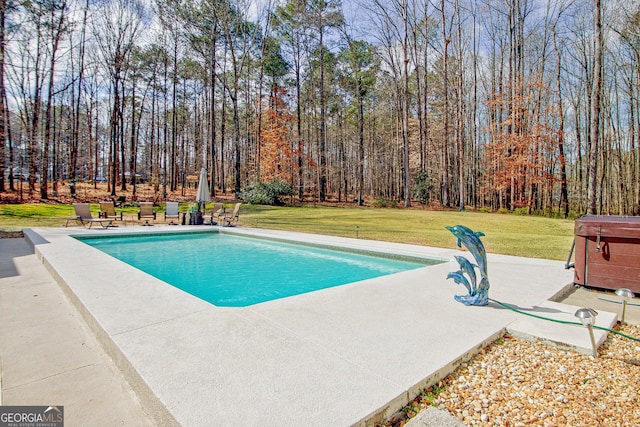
x=236 y=271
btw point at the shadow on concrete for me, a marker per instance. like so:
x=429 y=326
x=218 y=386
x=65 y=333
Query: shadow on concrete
x=10 y=249
x=533 y=310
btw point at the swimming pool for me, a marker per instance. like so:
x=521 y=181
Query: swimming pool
x=237 y=271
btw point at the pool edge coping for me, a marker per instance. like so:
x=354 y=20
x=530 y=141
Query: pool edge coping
x=150 y=402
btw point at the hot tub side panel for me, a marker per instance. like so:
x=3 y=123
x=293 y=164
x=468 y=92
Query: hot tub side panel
x=607 y=253
x=580 y=260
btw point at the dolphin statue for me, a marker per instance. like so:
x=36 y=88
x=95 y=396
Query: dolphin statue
x=477 y=299
x=471 y=241
x=467 y=268
x=459 y=278
x=478 y=293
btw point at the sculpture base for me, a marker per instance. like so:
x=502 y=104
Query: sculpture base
x=477 y=299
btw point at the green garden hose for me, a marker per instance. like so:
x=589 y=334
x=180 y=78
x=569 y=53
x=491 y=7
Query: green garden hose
x=565 y=322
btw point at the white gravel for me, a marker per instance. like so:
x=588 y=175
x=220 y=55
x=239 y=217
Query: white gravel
x=519 y=383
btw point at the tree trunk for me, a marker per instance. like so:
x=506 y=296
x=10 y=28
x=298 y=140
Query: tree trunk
x=595 y=117
x=57 y=31
x=405 y=108
x=360 y=144
x=133 y=143
x=460 y=115
x=564 y=193
x=4 y=122
x=446 y=196
x=173 y=179
x=212 y=112
x=75 y=142
x=322 y=180
x=121 y=139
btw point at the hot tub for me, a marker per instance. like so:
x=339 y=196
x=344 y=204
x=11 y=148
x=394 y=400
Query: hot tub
x=607 y=252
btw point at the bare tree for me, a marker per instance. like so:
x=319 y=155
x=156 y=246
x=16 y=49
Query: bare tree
x=547 y=121
x=446 y=190
x=4 y=116
x=240 y=37
x=595 y=116
x=629 y=32
x=57 y=26
x=323 y=15
x=392 y=22
x=116 y=29
x=289 y=24
x=75 y=140
x=362 y=66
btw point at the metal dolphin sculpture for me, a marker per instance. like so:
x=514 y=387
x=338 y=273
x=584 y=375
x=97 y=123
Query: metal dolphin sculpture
x=459 y=278
x=467 y=268
x=478 y=293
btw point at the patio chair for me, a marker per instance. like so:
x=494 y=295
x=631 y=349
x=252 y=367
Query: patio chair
x=146 y=210
x=120 y=201
x=231 y=219
x=83 y=216
x=171 y=211
x=108 y=210
x=216 y=213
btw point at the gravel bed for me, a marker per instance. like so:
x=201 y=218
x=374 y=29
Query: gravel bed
x=9 y=234
x=518 y=383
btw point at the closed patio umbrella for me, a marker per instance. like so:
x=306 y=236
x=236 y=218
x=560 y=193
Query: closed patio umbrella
x=203 y=196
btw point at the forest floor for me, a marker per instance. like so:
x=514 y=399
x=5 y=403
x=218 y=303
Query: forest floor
x=93 y=193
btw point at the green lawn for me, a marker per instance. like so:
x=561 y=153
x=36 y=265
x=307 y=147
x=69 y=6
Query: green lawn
x=504 y=233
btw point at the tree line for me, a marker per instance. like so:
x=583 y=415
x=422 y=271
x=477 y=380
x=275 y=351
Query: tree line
x=494 y=104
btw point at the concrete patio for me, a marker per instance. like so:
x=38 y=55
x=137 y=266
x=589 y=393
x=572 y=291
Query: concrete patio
x=350 y=355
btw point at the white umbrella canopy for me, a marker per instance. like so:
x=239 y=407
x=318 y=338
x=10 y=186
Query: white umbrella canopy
x=203 y=196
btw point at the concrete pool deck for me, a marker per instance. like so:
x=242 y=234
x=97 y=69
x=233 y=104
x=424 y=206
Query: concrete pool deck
x=349 y=355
